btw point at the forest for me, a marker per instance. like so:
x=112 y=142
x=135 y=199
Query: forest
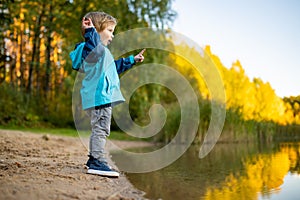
x=37 y=80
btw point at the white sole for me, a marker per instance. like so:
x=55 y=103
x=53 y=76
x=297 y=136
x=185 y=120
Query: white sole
x=103 y=173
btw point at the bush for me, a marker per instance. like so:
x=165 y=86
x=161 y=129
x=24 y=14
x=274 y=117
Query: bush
x=18 y=108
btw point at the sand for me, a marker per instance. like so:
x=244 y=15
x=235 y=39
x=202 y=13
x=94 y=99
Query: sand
x=43 y=166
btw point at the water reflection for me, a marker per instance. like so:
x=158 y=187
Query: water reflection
x=230 y=171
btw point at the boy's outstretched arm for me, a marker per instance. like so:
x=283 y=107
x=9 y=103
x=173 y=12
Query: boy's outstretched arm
x=124 y=64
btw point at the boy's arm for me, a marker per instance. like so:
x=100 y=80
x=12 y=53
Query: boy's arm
x=124 y=64
x=93 y=48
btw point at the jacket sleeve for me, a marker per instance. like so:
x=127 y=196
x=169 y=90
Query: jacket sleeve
x=93 y=49
x=76 y=57
x=124 y=64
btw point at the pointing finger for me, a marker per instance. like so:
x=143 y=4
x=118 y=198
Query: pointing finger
x=141 y=53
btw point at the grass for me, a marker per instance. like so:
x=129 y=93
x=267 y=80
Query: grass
x=53 y=131
x=114 y=135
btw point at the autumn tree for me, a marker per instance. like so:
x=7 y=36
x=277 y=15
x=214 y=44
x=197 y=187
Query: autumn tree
x=37 y=37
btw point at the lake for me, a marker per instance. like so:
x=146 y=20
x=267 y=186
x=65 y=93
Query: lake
x=229 y=171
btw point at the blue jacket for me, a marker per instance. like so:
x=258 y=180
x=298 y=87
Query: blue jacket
x=101 y=84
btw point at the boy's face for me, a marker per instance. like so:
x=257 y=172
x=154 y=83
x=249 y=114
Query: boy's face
x=106 y=35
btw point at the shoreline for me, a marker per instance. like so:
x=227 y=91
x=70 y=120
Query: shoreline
x=44 y=166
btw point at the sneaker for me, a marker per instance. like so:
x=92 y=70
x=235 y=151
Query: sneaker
x=88 y=163
x=100 y=168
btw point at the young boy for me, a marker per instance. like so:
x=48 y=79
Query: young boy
x=100 y=87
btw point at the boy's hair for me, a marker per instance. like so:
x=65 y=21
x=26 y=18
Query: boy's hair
x=101 y=20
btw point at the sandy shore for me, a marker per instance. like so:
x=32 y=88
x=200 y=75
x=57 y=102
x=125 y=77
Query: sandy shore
x=37 y=166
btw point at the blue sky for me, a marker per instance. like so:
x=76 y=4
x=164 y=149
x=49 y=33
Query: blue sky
x=264 y=35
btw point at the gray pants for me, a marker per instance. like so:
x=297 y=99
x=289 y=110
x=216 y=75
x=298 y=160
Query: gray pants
x=100 y=124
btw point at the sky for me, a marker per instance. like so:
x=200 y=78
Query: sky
x=264 y=35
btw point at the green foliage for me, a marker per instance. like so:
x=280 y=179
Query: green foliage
x=16 y=107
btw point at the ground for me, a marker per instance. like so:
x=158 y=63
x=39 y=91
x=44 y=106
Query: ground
x=42 y=166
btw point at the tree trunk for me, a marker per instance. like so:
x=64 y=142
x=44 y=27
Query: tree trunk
x=48 y=54
x=35 y=51
x=21 y=76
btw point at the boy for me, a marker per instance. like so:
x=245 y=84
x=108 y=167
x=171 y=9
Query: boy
x=100 y=87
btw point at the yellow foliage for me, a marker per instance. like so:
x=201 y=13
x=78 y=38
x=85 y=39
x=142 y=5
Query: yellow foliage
x=190 y=71
x=255 y=100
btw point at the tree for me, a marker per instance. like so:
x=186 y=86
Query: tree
x=37 y=37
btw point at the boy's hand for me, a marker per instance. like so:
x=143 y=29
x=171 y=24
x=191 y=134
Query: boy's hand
x=86 y=23
x=139 y=57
